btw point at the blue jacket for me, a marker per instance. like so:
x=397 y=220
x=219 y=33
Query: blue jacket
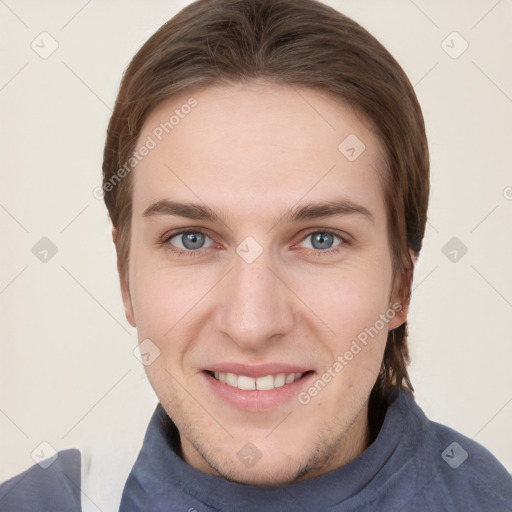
x=413 y=465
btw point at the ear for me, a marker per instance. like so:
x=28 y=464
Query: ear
x=125 y=289
x=399 y=302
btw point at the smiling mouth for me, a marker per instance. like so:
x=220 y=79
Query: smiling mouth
x=265 y=383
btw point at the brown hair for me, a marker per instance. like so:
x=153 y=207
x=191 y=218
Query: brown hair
x=297 y=42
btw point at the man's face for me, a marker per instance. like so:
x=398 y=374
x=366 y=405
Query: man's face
x=257 y=297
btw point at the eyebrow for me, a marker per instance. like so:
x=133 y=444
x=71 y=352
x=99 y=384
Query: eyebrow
x=308 y=211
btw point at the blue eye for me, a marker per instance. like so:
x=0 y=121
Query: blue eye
x=190 y=240
x=322 y=240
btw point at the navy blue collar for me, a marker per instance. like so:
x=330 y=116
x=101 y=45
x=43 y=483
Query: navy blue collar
x=161 y=476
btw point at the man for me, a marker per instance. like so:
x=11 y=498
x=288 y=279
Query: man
x=266 y=172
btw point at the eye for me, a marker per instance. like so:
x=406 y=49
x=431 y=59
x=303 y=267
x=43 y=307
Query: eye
x=322 y=241
x=191 y=241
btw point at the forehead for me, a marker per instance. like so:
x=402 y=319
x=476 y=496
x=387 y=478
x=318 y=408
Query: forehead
x=272 y=143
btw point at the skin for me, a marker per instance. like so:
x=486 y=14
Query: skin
x=251 y=151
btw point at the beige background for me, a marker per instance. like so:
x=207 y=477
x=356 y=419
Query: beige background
x=67 y=372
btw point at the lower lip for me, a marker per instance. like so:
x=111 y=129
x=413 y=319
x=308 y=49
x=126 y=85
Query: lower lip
x=256 y=400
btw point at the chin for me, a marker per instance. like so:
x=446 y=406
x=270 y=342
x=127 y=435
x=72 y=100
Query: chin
x=267 y=474
x=252 y=467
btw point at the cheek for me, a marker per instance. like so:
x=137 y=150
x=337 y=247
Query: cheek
x=350 y=298
x=161 y=298
x=167 y=300
x=351 y=302
x=355 y=310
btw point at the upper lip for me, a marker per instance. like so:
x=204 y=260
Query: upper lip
x=256 y=371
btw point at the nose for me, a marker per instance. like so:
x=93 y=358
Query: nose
x=256 y=306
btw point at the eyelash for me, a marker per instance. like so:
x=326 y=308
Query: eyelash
x=194 y=253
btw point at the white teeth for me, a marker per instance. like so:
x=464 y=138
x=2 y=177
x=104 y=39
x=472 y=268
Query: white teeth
x=246 y=382
x=232 y=379
x=279 y=380
x=265 y=383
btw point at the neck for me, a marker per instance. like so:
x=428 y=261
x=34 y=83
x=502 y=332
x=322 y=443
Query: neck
x=353 y=443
